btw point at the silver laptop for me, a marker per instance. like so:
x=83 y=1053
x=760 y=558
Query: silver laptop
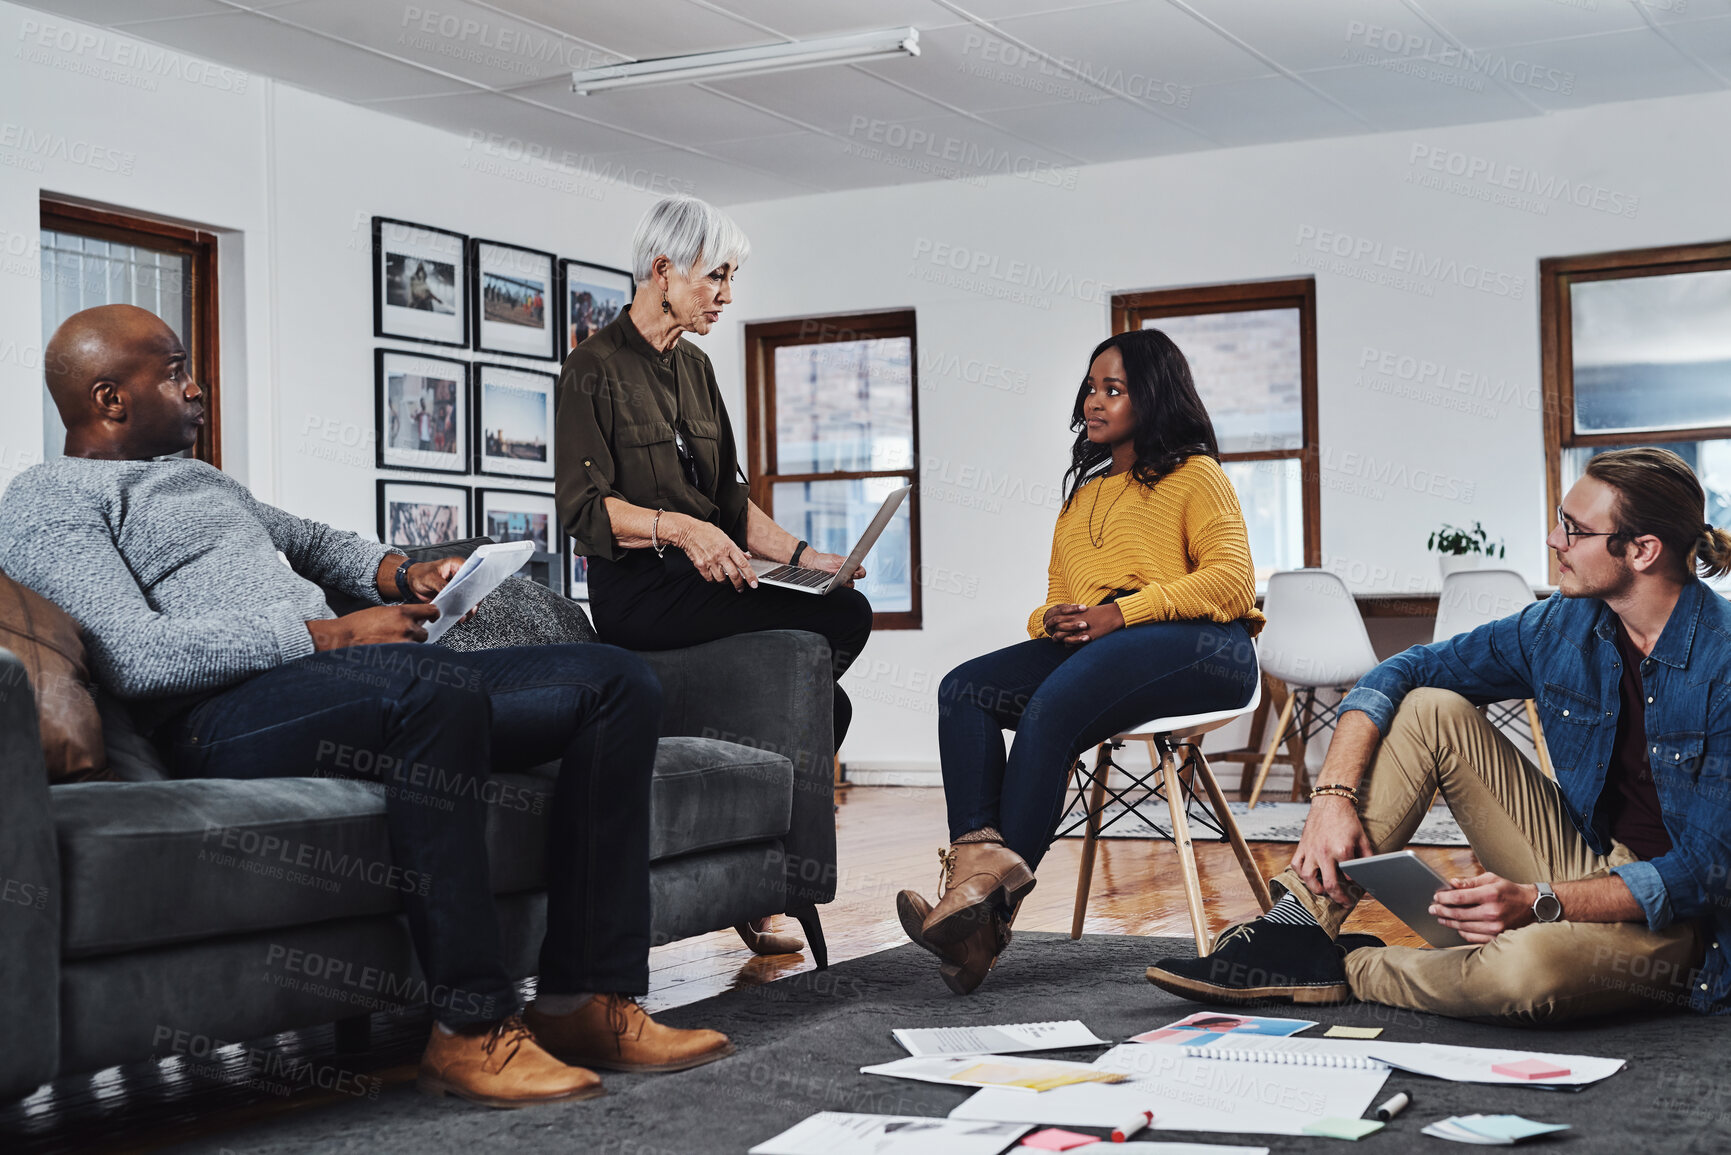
x=818 y=581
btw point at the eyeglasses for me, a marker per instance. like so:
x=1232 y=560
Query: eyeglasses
x=1573 y=533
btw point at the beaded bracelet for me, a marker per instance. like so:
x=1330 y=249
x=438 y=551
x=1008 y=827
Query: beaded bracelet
x=1339 y=790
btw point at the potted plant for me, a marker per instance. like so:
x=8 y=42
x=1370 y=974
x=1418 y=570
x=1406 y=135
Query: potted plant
x=1458 y=548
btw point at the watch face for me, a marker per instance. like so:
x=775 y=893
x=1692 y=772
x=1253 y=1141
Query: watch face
x=1548 y=908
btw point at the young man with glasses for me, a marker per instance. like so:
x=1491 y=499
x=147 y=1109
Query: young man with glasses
x=1607 y=889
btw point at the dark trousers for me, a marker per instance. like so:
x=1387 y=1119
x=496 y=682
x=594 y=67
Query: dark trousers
x=1062 y=700
x=644 y=602
x=428 y=725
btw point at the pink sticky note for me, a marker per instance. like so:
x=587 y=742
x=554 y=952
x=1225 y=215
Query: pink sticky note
x=1054 y=1139
x=1530 y=1069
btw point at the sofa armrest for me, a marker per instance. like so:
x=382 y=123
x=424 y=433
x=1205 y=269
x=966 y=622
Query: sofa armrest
x=29 y=895
x=771 y=690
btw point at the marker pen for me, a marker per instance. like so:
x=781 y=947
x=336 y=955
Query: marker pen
x=1122 y=1132
x=1393 y=1107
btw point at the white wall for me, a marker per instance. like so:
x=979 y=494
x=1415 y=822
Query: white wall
x=292 y=181
x=1399 y=456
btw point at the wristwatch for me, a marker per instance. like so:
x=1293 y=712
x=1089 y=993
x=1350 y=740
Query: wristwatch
x=404 y=593
x=1547 y=907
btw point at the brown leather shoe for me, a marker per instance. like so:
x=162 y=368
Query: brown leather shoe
x=501 y=1067
x=981 y=880
x=614 y=1033
x=965 y=964
x=766 y=941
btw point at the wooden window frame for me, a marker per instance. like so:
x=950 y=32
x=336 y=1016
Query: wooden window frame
x=162 y=236
x=761 y=341
x=1129 y=310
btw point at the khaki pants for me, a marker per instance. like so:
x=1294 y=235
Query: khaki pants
x=1517 y=824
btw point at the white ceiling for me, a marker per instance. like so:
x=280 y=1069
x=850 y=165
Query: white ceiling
x=1028 y=84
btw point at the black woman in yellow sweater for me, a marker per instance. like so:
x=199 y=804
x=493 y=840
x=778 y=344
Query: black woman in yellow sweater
x=1149 y=612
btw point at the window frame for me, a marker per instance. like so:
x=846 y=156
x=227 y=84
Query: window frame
x=1557 y=350
x=199 y=245
x=762 y=339
x=1129 y=310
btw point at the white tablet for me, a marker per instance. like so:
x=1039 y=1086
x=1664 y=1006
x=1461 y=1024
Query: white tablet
x=1403 y=883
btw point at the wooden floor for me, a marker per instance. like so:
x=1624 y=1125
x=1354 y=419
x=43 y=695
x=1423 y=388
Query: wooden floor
x=888 y=839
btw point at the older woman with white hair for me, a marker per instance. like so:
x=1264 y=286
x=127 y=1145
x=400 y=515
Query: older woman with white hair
x=648 y=478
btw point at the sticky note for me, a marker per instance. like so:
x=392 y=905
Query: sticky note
x=1054 y=1139
x=1339 y=1032
x=1342 y=1128
x=1530 y=1069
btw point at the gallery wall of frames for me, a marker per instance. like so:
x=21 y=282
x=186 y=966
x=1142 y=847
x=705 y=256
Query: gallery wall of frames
x=481 y=406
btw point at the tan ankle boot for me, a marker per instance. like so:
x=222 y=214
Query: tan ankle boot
x=979 y=880
x=501 y=1067
x=614 y=1033
x=766 y=941
x=965 y=963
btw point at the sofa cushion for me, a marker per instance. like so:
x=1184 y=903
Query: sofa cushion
x=149 y=863
x=521 y=613
x=48 y=642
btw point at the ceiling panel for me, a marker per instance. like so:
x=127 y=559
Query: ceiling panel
x=969 y=67
x=1418 y=95
x=115 y=13
x=1264 y=109
x=1151 y=41
x=503 y=124
x=1679 y=11
x=640 y=29
x=802 y=20
x=849 y=101
x=1709 y=39
x=1324 y=33
x=1595 y=69
x=1480 y=23
x=820 y=162
x=1108 y=131
x=680 y=113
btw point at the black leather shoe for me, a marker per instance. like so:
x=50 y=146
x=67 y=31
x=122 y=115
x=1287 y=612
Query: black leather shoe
x=1260 y=961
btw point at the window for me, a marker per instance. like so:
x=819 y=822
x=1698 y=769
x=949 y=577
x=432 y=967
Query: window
x=1252 y=353
x=98 y=257
x=831 y=431
x=1637 y=351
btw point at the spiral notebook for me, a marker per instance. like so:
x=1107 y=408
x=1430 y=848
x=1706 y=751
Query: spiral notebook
x=1339 y=1053
x=997 y=1039
x=1438 y=1060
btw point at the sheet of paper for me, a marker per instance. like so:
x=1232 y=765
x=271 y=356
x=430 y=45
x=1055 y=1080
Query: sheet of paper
x=1003 y=1039
x=1187 y=1094
x=1011 y=1071
x=1342 y=1032
x=1490 y=1130
x=1207 y=1026
x=1473 y=1064
x=481 y=574
x=841 y=1133
x=1317 y=1052
x=1138 y=1147
x=1354 y=1129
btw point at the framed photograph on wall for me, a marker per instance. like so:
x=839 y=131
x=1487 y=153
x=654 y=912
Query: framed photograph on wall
x=420 y=280
x=420 y=412
x=514 y=300
x=590 y=296
x=576 y=573
x=416 y=513
x=514 y=421
x=523 y=515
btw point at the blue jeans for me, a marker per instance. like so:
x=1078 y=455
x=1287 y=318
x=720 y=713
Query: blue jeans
x=429 y=725
x=1062 y=700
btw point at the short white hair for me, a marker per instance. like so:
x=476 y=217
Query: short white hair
x=689 y=232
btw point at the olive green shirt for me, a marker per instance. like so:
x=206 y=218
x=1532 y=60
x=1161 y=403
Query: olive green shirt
x=618 y=405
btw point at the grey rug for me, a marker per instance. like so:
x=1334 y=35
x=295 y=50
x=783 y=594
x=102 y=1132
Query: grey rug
x=1269 y=822
x=801 y=1041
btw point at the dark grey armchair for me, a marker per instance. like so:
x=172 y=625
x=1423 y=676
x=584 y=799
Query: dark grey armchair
x=137 y=914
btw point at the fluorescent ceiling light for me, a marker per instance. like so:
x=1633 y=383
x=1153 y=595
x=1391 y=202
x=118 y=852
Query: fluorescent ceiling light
x=749 y=61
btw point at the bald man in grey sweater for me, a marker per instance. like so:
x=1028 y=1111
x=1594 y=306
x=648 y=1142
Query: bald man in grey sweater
x=241 y=670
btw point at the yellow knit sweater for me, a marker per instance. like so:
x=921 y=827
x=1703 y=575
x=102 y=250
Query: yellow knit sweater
x=1182 y=545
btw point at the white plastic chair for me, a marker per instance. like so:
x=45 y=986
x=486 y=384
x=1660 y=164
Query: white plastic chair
x=1314 y=640
x=1476 y=597
x=1175 y=781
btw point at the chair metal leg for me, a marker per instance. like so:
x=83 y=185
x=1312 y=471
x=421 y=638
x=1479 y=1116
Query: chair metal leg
x=1096 y=803
x=1186 y=851
x=1539 y=740
x=813 y=928
x=1274 y=744
x=1217 y=799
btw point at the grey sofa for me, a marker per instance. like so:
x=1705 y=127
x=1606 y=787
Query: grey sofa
x=138 y=916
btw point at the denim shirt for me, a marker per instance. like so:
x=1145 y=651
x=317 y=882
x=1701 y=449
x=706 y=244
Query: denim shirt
x=1562 y=652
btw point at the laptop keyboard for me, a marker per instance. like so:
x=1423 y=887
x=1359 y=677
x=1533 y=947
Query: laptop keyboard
x=799 y=576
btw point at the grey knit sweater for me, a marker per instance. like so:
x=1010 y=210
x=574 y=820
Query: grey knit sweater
x=171 y=568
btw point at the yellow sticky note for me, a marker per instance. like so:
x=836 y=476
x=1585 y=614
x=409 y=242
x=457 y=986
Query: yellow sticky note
x=1352 y=1032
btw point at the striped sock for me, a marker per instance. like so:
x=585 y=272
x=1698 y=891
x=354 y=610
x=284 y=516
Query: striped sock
x=1290 y=912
